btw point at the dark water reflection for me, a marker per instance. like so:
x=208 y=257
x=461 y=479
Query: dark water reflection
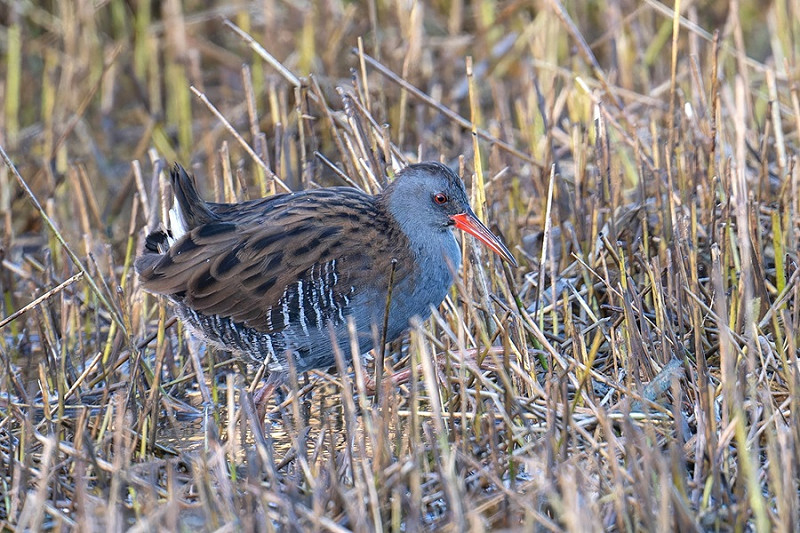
x=186 y=423
x=192 y=432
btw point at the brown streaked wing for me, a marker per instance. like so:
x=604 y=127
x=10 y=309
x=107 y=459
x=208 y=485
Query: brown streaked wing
x=305 y=253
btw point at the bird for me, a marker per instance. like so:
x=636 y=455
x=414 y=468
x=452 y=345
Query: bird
x=281 y=276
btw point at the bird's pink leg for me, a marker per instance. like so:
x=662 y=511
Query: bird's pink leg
x=264 y=393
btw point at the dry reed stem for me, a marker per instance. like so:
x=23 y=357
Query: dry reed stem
x=639 y=371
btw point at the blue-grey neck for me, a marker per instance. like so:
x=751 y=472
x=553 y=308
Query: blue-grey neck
x=437 y=257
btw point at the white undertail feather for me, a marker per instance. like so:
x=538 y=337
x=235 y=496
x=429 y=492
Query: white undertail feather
x=177 y=222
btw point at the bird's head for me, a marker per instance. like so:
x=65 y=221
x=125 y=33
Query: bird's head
x=427 y=198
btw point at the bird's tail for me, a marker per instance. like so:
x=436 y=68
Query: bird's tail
x=188 y=209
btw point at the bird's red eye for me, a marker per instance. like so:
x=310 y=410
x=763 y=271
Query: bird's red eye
x=440 y=198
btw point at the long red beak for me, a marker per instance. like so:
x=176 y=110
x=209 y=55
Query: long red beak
x=469 y=222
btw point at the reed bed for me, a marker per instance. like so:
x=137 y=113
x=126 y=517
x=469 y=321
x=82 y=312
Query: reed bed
x=638 y=372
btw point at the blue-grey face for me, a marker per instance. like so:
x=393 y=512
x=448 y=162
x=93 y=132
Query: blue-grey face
x=427 y=194
x=427 y=199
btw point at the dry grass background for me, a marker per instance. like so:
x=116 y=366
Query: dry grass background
x=639 y=371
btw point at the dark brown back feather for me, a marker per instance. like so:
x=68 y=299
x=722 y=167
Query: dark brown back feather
x=257 y=261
